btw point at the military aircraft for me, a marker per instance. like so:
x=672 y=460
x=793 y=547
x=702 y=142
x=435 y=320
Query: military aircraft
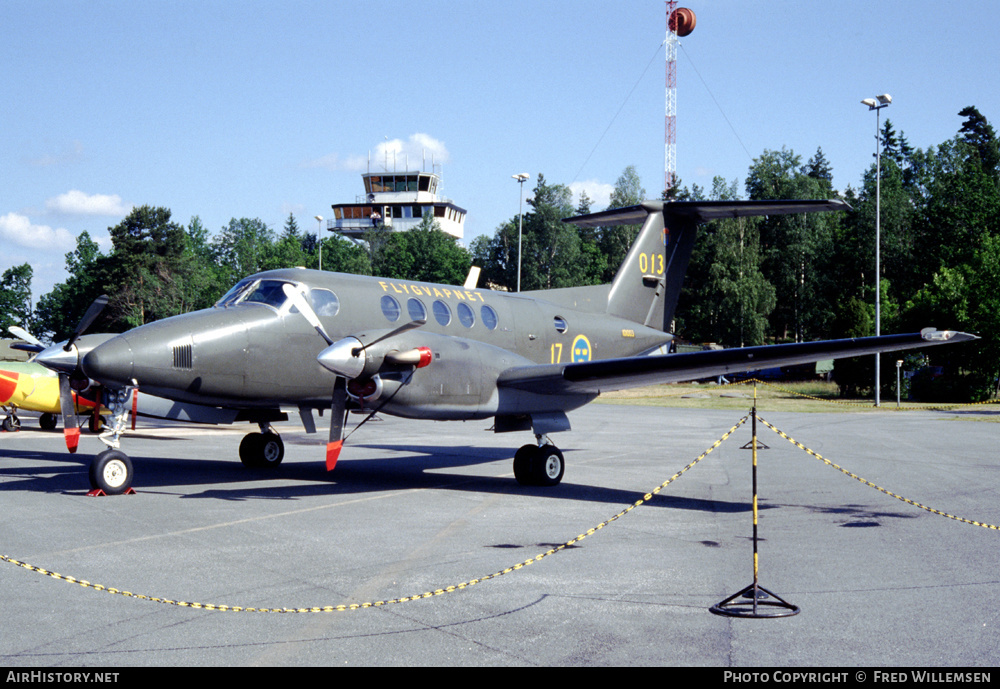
x=314 y=340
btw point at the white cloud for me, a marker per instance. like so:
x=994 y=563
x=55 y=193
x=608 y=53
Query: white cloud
x=599 y=193
x=76 y=202
x=18 y=229
x=417 y=152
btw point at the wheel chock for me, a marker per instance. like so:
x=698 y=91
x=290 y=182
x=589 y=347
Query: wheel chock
x=97 y=493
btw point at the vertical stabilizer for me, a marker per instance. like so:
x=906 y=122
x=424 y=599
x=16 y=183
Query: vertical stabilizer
x=648 y=283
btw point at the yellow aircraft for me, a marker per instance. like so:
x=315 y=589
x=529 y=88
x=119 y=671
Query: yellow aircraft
x=33 y=387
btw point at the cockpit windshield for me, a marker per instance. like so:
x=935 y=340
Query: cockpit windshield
x=255 y=291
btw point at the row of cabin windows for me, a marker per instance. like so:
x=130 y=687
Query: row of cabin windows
x=442 y=312
x=326 y=303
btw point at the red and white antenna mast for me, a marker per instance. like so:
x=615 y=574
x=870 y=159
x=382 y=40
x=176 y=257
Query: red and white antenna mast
x=680 y=22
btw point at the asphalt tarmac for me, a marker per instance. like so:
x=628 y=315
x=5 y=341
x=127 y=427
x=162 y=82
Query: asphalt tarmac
x=416 y=507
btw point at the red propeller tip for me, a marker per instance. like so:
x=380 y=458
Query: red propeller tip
x=72 y=438
x=332 y=454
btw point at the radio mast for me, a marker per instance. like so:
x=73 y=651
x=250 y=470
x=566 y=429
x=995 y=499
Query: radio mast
x=680 y=22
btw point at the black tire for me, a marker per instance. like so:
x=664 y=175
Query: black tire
x=262 y=450
x=111 y=471
x=47 y=421
x=523 y=460
x=12 y=424
x=548 y=466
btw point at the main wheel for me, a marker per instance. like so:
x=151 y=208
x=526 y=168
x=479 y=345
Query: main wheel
x=47 y=421
x=111 y=471
x=523 y=459
x=548 y=466
x=260 y=450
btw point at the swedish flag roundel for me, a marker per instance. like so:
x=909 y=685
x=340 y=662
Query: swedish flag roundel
x=581 y=348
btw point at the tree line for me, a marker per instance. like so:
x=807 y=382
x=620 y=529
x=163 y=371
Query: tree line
x=751 y=280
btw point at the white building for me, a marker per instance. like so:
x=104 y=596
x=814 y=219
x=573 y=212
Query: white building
x=398 y=201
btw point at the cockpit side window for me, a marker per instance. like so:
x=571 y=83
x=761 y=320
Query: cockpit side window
x=267 y=292
x=236 y=293
x=252 y=291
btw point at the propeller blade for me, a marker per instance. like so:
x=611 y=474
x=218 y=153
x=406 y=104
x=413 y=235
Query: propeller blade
x=338 y=417
x=392 y=333
x=302 y=304
x=25 y=335
x=71 y=429
x=93 y=311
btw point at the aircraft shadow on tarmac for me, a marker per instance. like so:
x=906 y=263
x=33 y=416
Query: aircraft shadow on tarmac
x=422 y=467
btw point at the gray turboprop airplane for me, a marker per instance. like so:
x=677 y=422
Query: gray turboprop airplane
x=315 y=340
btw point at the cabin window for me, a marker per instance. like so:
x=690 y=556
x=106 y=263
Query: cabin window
x=489 y=317
x=416 y=309
x=465 y=315
x=442 y=313
x=390 y=308
x=324 y=302
x=560 y=324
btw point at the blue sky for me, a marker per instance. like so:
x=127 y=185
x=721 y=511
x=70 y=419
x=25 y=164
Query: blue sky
x=260 y=109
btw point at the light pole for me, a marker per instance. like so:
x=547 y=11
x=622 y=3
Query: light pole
x=877 y=104
x=521 y=179
x=319 y=238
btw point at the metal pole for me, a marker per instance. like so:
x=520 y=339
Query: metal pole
x=520 y=222
x=878 y=251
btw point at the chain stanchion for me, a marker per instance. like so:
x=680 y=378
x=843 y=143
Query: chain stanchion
x=758 y=596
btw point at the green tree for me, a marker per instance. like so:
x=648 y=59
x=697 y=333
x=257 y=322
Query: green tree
x=58 y=312
x=726 y=298
x=614 y=242
x=795 y=249
x=244 y=247
x=15 y=298
x=146 y=272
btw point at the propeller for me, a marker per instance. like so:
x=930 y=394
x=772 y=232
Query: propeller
x=65 y=361
x=344 y=358
x=33 y=343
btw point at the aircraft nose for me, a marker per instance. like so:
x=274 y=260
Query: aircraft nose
x=110 y=363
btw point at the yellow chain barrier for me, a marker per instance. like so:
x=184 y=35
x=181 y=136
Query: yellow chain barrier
x=375 y=604
x=873 y=485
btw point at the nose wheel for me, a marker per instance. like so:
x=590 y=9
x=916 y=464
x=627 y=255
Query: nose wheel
x=539 y=465
x=111 y=472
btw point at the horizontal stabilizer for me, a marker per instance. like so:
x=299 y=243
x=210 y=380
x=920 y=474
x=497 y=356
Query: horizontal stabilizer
x=607 y=375
x=703 y=211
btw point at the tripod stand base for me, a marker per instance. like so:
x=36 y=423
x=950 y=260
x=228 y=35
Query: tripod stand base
x=757 y=597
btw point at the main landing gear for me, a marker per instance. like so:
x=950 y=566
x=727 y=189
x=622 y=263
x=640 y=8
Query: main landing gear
x=539 y=465
x=262 y=450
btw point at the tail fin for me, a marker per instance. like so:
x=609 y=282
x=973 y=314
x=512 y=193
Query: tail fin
x=648 y=283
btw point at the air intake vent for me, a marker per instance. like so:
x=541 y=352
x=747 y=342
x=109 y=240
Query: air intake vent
x=182 y=356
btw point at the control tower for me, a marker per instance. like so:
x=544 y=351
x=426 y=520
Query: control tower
x=396 y=202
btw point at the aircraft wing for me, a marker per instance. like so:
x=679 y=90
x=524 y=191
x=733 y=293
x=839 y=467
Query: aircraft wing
x=618 y=374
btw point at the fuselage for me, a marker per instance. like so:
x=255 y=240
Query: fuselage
x=254 y=350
